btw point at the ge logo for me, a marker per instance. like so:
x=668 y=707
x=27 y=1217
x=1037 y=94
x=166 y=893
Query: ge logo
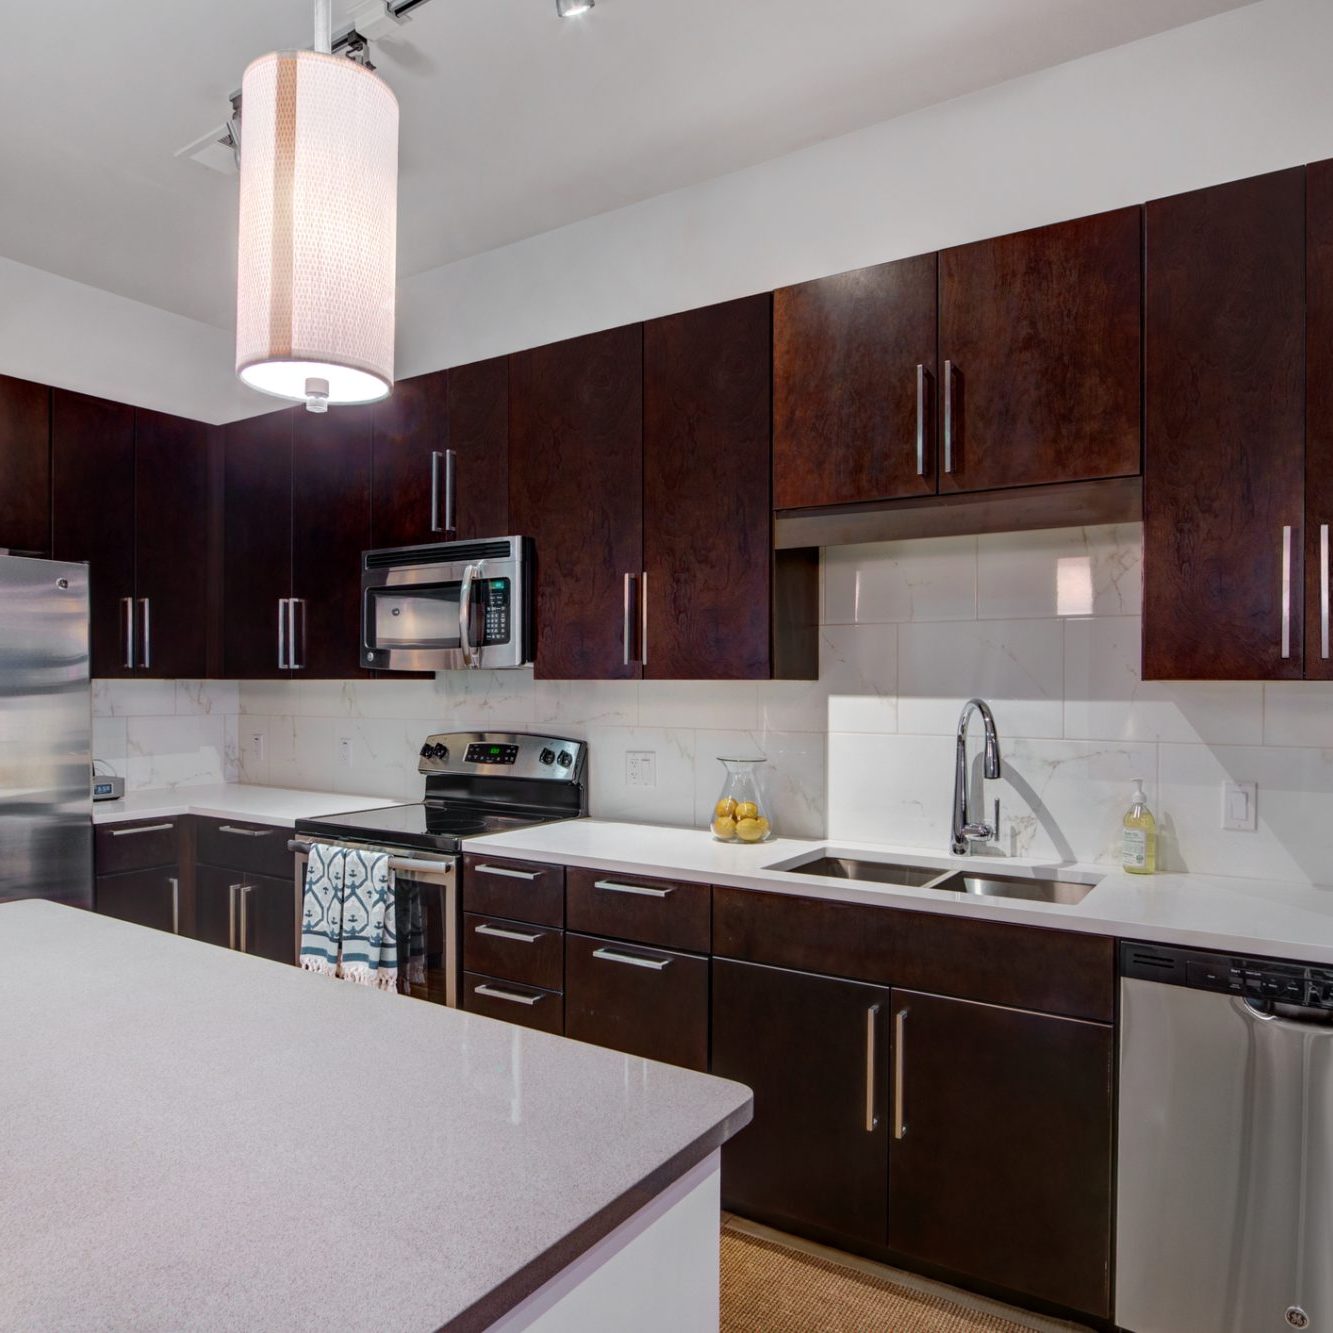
x=1297 y=1317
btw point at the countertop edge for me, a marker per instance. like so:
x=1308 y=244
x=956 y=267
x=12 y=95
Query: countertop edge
x=208 y=803
x=500 y=1300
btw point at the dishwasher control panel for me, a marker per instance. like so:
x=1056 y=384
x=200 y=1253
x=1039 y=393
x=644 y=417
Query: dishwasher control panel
x=1254 y=978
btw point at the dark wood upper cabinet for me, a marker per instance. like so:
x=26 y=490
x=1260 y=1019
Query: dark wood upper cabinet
x=411 y=433
x=171 y=527
x=1318 y=420
x=92 y=518
x=1224 y=482
x=707 y=522
x=330 y=528
x=1039 y=353
x=576 y=487
x=257 y=543
x=25 y=466
x=815 y=1158
x=854 y=386
x=479 y=441
x=1001 y=1161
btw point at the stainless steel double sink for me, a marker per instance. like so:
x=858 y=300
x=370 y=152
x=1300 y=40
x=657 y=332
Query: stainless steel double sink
x=830 y=864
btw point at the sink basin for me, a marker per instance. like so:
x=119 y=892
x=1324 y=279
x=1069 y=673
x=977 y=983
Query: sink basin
x=1015 y=886
x=876 y=872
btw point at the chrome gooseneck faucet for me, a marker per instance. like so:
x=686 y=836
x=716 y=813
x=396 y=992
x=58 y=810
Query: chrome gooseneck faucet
x=963 y=832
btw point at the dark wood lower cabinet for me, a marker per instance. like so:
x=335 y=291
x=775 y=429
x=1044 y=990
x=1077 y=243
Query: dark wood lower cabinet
x=528 y=1006
x=647 y=1002
x=251 y=913
x=815 y=1051
x=1000 y=1168
x=144 y=897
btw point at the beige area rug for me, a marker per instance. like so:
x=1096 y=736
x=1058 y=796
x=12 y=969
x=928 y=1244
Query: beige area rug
x=768 y=1288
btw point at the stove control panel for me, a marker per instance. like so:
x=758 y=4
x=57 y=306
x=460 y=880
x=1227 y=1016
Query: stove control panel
x=480 y=752
x=504 y=754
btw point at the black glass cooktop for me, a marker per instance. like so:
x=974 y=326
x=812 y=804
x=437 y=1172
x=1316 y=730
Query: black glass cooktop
x=438 y=827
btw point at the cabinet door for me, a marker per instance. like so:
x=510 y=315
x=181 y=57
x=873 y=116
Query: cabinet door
x=171 y=525
x=1040 y=366
x=854 y=386
x=815 y=1052
x=216 y=916
x=1000 y=1167
x=266 y=918
x=707 y=523
x=576 y=486
x=25 y=464
x=411 y=433
x=479 y=440
x=330 y=530
x=257 y=542
x=92 y=516
x=1319 y=421
x=1224 y=406
x=647 y=1002
x=145 y=897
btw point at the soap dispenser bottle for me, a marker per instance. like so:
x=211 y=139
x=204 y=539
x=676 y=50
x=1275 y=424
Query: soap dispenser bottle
x=1139 y=854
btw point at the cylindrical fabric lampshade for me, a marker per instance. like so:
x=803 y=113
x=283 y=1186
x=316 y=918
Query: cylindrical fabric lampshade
x=318 y=229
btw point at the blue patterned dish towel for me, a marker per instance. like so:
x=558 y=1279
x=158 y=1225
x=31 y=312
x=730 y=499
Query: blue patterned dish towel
x=349 y=920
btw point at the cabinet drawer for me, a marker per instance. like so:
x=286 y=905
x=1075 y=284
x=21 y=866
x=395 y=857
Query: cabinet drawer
x=499 y=948
x=145 y=897
x=261 y=848
x=1023 y=967
x=514 y=890
x=527 y=1006
x=629 y=907
x=646 y=1002
x=136 y=846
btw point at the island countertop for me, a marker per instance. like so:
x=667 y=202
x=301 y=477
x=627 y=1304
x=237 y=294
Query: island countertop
x=197 y=1137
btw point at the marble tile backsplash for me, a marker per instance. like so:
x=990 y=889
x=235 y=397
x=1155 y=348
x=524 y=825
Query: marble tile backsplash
x=1044 y=625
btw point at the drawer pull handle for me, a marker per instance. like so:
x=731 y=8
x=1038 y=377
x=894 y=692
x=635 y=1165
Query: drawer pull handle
x=512 y=996
x=872 y=1120
x=642 y=890
x=899 y=1073
x=246 y=832
x=143 y=828
x=501 y=934
x=175 y=905
x=509 y=874
x=632 y=960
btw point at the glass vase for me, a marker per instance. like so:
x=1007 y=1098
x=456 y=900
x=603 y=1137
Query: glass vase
x=742 y=811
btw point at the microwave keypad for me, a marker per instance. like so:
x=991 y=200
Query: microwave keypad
x=496 y=625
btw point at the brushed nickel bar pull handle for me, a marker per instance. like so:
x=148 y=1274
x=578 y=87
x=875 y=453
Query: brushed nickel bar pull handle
x=147 y=631
x=1286 y=591
x=128 y=604
x=627 y=620
x=246 y=891
x=643 y=618
x=142 y=828
x=643 y=890
x=513 y=997
x=502 y=934
x=631 y=960
x=247 y=832
x=1323 y=590
x=435 y=525
x=872 y=1022
x=282 y=634
x=920 y=420
x=450 y=492
x=899 y=1072
x=948 y=416
x=292 y=604
x=509 y=874
x=175 y=905
x=231 y=915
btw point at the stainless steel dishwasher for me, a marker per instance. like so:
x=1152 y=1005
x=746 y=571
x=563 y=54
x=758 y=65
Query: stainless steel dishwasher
x=1225 y=1199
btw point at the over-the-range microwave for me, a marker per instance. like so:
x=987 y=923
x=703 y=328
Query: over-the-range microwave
x=447 y=606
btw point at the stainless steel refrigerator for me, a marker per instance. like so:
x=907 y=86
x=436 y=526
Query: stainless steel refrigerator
x=45 y=732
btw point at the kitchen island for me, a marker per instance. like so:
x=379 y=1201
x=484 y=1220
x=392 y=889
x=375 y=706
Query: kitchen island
x=200 y=1138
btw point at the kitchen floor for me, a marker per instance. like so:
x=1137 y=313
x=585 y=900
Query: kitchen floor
x=776 y=1283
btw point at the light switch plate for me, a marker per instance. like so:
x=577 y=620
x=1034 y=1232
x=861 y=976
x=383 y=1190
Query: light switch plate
x=256 y=739
x=641 y=768
x=1240 y=806
x=345 y=755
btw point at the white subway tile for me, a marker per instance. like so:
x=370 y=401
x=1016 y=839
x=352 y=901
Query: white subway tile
x=579 y=704
x=717 y=704
x=134 y=698
x=893 y=789
x=931 y=579
x=1298 y=712
x=858 y=667
x=175 y=752
x=111 y=743
x=1060 y=572
x=207 y=696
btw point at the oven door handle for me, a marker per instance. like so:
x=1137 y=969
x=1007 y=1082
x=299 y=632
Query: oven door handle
x=471 y=573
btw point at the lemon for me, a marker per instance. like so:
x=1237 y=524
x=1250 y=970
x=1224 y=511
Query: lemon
x=747 y=810
x=724 y=826
x=726 y=808
x=749 y=830
x=763 y=824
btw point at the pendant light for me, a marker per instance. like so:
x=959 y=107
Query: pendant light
x=318 y=222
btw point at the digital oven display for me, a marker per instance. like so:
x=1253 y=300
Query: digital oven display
x=491 y=754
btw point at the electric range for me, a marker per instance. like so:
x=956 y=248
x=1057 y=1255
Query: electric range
x=477 y=783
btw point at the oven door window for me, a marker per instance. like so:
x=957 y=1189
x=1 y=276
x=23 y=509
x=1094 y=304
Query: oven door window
x=414 y=616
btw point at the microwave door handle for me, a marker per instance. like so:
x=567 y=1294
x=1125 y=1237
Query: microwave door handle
x=465 y=615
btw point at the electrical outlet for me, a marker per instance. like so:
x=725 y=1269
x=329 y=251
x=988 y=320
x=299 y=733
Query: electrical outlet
x=345 y=755
x=257 y=740
x=1240 y=806
x=641 y=768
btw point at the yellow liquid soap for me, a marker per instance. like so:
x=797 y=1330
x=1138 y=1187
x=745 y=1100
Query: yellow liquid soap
x=1139 y=854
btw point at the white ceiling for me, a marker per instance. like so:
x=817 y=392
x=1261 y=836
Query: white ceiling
x=513 y=121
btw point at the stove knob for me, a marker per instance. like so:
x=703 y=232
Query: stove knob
x=439 y=752
x=566 y=758
x=427 y=750
x=548 y=756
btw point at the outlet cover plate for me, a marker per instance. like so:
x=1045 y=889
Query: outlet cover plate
x=641 y=768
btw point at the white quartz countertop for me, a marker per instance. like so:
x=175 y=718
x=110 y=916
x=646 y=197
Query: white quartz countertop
x=1204 y=911
x=233 y=800
x=197 y=1138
